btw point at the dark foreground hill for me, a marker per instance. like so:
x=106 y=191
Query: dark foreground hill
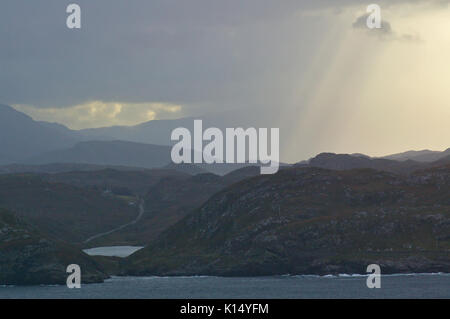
x=311 y=221
x=27 y=257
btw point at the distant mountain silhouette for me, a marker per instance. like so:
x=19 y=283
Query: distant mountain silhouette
x=147 y=145
x=25 y=142
x=419 y=156
x=22 y=137
x=151 y=132
x=159 y=131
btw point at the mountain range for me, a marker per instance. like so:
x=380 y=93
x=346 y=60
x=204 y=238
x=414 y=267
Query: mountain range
x=25 y=143
x=332 y=213
x=147 y=145
x=21 y=137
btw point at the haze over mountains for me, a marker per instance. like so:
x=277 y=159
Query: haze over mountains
x=21 y=137
x=25 y=141
x=147 y=145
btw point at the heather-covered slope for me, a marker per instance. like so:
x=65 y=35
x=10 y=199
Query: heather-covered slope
x=311 y=220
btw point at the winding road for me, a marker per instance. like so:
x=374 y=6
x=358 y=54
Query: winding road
x=141 y=212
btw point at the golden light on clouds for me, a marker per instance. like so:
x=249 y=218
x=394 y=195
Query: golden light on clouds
x=98 y=113
x=380 y=94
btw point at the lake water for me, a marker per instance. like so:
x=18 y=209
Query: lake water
x=112 y=251
x=285 y=287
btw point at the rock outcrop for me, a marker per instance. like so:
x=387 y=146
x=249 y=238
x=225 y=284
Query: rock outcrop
x=29 y=258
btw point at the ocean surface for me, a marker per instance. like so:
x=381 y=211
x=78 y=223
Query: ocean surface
x=285 y=287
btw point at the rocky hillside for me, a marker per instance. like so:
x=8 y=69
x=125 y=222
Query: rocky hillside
x=27 y=257
x=311 y=221
x=171 y=199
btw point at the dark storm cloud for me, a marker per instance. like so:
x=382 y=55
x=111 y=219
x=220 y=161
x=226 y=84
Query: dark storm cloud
x=210 y=52
x=126 y=50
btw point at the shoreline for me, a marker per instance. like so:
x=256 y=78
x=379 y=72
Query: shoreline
x=328 y=276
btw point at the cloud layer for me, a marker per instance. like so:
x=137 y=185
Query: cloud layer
x=199 y=52
x=99 y=114
x=297 y=64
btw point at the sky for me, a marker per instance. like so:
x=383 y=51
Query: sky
x=311 y=68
